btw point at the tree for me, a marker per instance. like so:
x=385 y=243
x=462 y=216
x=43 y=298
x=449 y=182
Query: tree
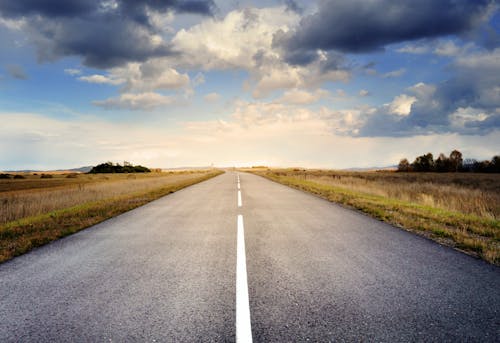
x=470 y=165
x=442 y=164
x=424 y=163
x=495 y=164
x=404 y=165
x=456 y=160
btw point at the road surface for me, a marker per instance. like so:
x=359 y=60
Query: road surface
x=175 y=270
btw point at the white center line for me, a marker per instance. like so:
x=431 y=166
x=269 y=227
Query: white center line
x=243 y=324
x=239 y=198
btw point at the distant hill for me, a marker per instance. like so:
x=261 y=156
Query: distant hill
x=85 y=169
x=372 y=168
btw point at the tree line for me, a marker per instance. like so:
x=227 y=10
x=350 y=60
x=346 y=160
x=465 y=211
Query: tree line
x=110 y=167
x=452 y=163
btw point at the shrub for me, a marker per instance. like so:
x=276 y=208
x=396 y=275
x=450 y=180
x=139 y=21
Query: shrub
x=46 y=176
x=4 y=176
x=109 y=167
x=19 y=176
x=404 y=165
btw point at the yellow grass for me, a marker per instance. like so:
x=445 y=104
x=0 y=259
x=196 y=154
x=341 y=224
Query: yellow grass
x=31 y=202
x=459 y=210
x=32 y=217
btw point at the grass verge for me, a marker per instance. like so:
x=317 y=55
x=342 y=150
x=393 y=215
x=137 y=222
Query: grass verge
x=20 y=236
x=475 y=235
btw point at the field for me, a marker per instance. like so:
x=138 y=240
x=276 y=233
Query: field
x=39 y=208
x=456 y=209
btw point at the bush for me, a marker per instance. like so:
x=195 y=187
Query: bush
x=4 y=176
x=19 y=177
x=404 y=165
x=46 y=176
x=72 y=176
x=109 y=167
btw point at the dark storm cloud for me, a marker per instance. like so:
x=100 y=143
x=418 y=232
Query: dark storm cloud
x=100 y=44
x=200 y=7
x=104 y=33
x=291 y=5
x=48 y=8
x=360 y=26
x=78 y=8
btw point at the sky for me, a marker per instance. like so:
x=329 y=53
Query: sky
x=317 y=84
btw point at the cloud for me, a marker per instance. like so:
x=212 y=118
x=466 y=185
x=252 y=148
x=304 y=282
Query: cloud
x=243 y=40
x=142 y=101
x=72 y=71
x=139 y=81
x=361 y=26
x=31 y=141
x=394 y=73
x=16 y=71
x=199 y=79
x=212 y=97
x=101 y=79
x=364 y=92
x=100 y=42
x=134 y=9
x=104 y=34
x=467 y=103
x=292 y=5
x=233 y=41
x=303 y=97
x=449 y=48
x=414 y=48
x=272 y=73
x=440 y=47
x=401 y=105
x=155 y=74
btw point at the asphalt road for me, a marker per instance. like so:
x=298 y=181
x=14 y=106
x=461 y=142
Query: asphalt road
x=315 y=271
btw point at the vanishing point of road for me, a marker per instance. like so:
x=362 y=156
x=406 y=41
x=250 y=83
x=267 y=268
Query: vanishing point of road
x=241 y=258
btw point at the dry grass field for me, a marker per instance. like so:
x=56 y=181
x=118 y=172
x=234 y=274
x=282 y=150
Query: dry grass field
x=457 y=209
x=36 y=210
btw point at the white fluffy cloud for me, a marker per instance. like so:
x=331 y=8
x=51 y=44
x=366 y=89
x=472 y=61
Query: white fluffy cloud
x=155 y=74
x=234 y=41
x=401 y=104
x=140 y=83
x=303 y=97
x=101 y=79
x=212 y=97
x=243 y=39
